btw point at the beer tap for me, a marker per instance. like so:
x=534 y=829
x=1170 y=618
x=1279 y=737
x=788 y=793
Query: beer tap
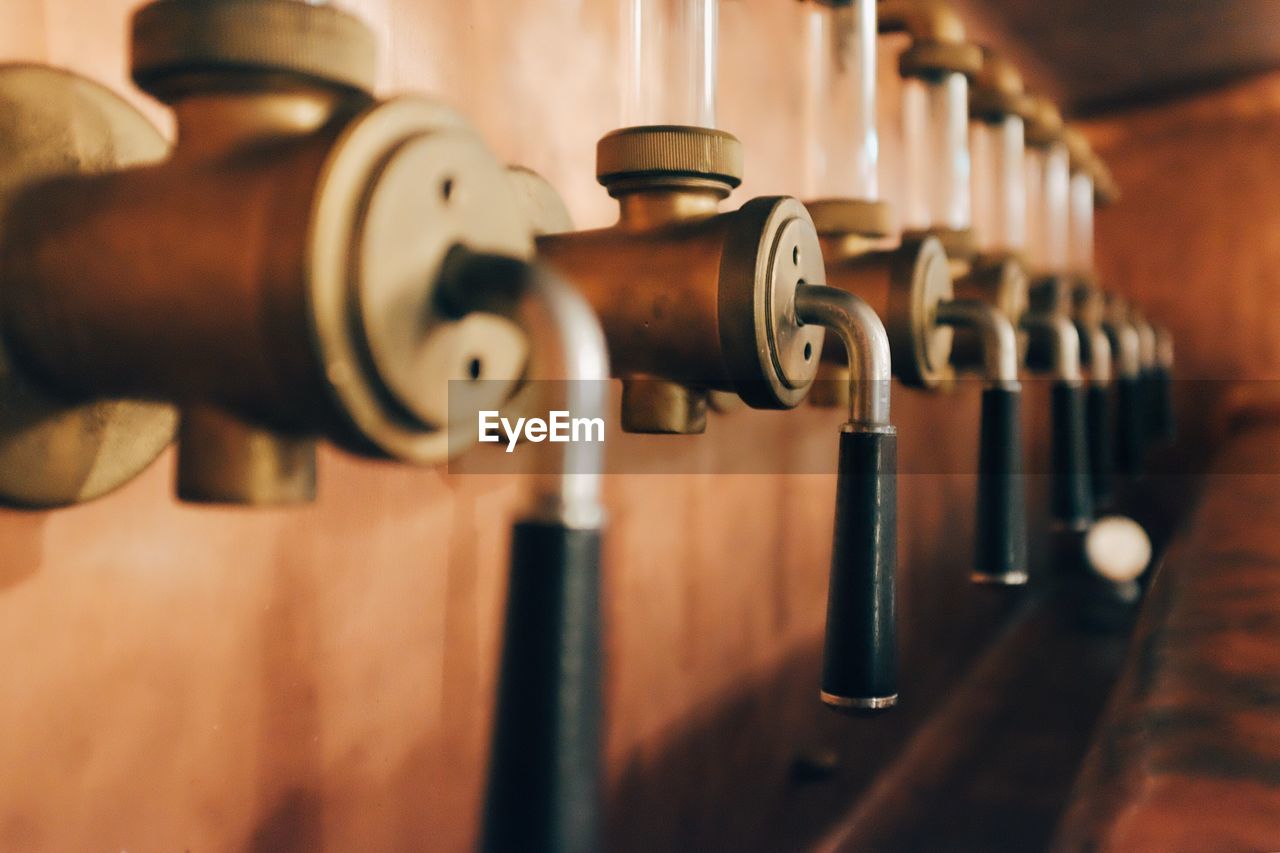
x=693 y=300
x=914 y=286
x=269 y=281
x=543 y=790
x=1057 y=349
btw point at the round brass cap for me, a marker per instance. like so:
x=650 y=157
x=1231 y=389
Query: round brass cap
x=839 y=217
x=998 y=90
x=931 y=58
x=1105 y=189
x=1079 y=149
x=172 y=38
x=665 y=152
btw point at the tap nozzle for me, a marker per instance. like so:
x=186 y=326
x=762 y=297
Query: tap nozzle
x=859 y=671
x=1072 y=491
x=544 y=777
x=1163 y=420
x=1126 y=349
x=1002 y=523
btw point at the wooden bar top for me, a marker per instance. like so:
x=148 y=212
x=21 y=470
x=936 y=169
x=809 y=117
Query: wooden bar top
x=1188 y=754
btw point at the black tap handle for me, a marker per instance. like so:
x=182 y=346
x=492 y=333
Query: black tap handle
x=544 y=771
x=1072 y=496
x=860 y=657
x=1131 y=429
x=1102 y=421
x=1162 y=427
x=1002 y=514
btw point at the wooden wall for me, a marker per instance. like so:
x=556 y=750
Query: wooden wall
x=1196 y=242
x=320 y=678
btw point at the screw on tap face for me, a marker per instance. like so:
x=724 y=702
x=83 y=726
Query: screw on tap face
x=920 y=279
x=407 y=184
x=770 y=250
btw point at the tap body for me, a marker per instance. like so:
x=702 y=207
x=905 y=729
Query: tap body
x=274 y=276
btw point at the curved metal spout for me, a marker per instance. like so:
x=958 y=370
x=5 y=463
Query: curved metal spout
x=570 y=366
x=1130 y=420
x=543 y=789
x=1100 y=371
x=1001 y=514
x=1064 y=343
x=866 y=342
x=859 y=661
x=1164 y=347
x=1147 y=356
x=1074 y=469
x=1100 y=416
x=1126 y=348
x=999 y=341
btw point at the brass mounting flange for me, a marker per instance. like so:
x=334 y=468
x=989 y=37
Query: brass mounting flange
x=919 y=279
x=905 y=286
x=57 y=451
x=999 y=280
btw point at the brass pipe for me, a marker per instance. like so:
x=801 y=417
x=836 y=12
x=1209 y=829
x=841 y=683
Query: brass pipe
x=866 y=345
x=693 y=300
x=545 y=768
x=572 y=362
x=262 y=277
x=999 y=341
x=859 y=667
x=1163 y=387
x=1100 y=371
x=1126 y=347
x=1001 y=536
x=1064 y=343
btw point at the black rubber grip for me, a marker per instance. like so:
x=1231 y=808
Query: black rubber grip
x=860 y=657
x=1131 y=428
x=1002 y=510
x=1072 y=495
x=1102 y=437
x=1161 y=427
x=544 y=773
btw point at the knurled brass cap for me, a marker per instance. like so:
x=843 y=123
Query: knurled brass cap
x=1079 y=149
x=998 y=90
x=932 y=58
x=173 y=38
x=1044 y=124
x=1105 y=189
x=660 y=153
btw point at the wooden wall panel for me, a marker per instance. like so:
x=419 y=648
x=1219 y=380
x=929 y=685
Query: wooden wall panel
x=321 y=678
x=1196 y=241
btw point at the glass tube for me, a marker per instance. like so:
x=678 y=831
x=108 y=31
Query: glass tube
x=999 y=184
x=669 y=51
x=935 y=115
x=1048 y=188
x=1082 y=222
x=840 y=100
